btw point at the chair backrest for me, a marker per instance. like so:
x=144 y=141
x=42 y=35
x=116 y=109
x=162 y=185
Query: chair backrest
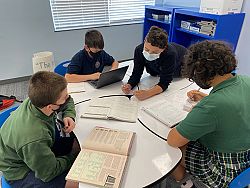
x=4 y=183
x=62 y=68
x=5 y=114
x=242 y=180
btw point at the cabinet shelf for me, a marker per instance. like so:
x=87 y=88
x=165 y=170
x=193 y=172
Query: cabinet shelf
x=159 y=21
x=227 y=28
x=150 y=21
x=195 y=33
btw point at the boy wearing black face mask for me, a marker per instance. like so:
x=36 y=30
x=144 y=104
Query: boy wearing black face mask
x=30 y=155
x=88 y=63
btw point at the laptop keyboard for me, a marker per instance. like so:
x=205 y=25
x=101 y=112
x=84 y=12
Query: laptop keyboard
x=93 y=82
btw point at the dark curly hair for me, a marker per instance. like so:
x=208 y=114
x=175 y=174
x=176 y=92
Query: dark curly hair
x=157 y=37
x=207 y=59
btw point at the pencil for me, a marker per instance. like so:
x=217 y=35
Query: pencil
x=76 y=92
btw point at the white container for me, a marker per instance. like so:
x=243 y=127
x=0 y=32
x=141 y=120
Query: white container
x=221 y=6
x=185 y=24
x=43 y=61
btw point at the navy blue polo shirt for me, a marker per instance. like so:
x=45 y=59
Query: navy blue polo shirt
x=82 y=63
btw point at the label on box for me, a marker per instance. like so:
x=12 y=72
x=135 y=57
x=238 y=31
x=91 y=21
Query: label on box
x=194 y=29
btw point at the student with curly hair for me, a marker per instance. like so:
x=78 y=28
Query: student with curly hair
x=214 y=137
x=160 y=58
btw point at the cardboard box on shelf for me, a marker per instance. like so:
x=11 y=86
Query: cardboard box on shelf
x=221 y=6
x=160 y=17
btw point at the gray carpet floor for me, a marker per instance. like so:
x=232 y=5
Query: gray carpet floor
x=20 y=90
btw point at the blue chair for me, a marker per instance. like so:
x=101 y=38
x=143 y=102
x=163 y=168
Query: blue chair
x=242 y=180
x=61 y=68
x=4 y=183
x=3 y=116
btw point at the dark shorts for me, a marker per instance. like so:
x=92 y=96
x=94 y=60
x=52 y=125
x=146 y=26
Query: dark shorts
x=215 y=169
x=30 y=181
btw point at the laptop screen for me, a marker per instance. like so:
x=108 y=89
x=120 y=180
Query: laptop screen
x=110 y=77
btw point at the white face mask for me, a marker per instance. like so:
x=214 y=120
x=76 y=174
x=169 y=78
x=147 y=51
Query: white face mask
x=150 y=57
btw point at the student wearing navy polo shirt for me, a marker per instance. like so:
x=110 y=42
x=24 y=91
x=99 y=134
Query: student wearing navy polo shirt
x=89 y=62
x=160 y=58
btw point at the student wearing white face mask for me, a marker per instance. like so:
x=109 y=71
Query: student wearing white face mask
x=160 y=58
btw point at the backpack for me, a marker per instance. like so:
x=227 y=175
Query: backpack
x=6 y=101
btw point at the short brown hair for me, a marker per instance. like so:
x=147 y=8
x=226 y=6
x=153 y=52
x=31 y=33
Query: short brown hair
x=207 y=59
x=94 y=39
x=45 y=88
x=157 y=37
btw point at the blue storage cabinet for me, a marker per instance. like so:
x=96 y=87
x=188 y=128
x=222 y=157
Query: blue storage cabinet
x=228 y=27
x=158 y=10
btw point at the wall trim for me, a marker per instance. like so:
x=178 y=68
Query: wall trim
x=14 y=80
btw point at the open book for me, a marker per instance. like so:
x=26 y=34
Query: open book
x=103 y=158
x=169 y=111
x=118 y=108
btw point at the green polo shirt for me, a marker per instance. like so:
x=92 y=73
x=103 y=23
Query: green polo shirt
x=26 y=139
x=221 y=121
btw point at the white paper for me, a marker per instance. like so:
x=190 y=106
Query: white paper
x=170 y=110
x=76 y=87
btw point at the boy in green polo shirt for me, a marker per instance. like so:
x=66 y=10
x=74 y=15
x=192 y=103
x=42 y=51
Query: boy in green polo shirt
x=214 y=137
x=27 y=138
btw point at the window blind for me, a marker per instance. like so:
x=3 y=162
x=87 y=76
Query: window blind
x=127 y=11
x=77 y=14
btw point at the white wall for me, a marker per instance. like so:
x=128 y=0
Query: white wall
x=26 y=27
x=243 y=48
x=187 y=3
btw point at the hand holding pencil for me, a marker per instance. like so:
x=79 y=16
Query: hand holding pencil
x=196 y=95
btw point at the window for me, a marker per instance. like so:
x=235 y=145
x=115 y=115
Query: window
x=77 y=14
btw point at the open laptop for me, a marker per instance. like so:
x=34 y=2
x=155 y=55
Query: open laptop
x=109 y=77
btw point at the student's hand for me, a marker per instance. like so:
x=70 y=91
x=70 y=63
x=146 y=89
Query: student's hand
x=69 y=124
x=126 y=88
x=196 y=95
x=95 y=76
x=142 y=94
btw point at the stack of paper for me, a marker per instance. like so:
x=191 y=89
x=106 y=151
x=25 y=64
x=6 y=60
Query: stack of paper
x=76 y=87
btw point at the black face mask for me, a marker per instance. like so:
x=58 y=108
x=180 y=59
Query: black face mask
x=200 y=83
x=62 y=106
x=95 y=55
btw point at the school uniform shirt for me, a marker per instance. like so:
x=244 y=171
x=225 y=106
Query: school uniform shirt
x=83 y=64
x=166 y=66
x=220 y=121
x=26 y=139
